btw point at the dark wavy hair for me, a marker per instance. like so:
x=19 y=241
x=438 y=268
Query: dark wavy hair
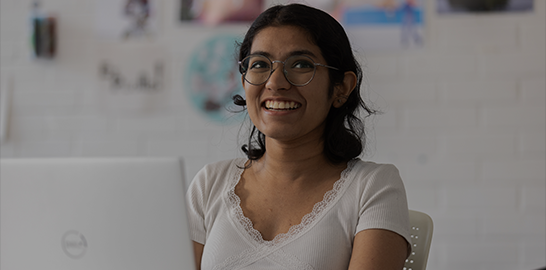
x=344 y=134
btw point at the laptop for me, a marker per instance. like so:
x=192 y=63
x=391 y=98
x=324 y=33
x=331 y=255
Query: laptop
x=93 y=213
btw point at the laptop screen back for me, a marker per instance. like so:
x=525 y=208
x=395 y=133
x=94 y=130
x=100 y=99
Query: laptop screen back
x=115 y=213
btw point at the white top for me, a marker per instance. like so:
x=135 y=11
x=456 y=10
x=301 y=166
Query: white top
x=367 y=196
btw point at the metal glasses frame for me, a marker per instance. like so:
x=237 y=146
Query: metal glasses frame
x=285 y=72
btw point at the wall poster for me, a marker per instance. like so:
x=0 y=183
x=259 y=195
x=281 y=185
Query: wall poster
x=374 y=25
x=126 y=19
x=214 y=12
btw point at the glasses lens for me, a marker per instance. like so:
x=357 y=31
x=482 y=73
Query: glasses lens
x=300 y=69
x=257 y=69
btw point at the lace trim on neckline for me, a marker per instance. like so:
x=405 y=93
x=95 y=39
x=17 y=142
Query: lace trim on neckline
x=330 y=196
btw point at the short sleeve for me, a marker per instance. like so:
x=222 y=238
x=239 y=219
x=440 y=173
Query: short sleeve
x=383 y=203
x=195 y=202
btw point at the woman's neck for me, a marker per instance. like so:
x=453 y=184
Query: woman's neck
x=294 y=162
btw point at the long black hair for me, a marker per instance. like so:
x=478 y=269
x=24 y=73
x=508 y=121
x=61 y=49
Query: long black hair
x=344 y=134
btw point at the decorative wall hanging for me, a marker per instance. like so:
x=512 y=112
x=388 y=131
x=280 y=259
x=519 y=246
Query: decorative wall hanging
x=126 y=19
x=377 y=24
x=132 y=78
x=214 y=12
x=212 y=78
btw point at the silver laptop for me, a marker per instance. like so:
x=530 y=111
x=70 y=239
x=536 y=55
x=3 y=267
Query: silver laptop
x=80 y=213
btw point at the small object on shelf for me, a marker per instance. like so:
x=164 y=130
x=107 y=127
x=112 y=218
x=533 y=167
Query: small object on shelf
x=43 y=33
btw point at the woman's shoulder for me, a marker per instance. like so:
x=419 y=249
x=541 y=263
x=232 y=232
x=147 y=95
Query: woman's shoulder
x=368 y=173
x=224 y=165
x=216 y=174
x=371 y=168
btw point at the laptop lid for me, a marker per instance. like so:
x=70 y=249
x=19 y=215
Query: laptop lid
x=93 y=213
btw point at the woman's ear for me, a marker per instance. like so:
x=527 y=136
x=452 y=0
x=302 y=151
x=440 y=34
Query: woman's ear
x=343 y=90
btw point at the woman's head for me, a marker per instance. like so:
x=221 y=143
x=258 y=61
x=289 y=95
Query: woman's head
x=343 y=132
x=322 y=28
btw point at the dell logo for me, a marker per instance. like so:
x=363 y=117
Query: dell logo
x=74 y=244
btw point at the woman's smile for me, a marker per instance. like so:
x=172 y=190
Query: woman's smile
x=281 y=105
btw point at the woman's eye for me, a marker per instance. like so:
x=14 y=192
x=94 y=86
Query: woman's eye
x=259 y=65
x=302 y=64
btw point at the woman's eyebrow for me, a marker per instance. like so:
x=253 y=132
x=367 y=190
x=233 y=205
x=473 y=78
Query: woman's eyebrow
x=302 y=52
x=297 y=52
x=264 y=53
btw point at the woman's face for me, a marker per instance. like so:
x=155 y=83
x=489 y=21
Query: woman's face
x=278 y=109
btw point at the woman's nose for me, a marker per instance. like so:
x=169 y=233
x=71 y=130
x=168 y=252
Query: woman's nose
x=277 y=80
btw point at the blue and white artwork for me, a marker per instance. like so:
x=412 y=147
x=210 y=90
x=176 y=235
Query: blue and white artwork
x=212 y=78
x=399 y=25
x=374 y=25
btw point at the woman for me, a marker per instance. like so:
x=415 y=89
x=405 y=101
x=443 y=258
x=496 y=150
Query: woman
x=302 y=199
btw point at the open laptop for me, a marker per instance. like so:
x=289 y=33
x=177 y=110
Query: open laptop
x=93 y=213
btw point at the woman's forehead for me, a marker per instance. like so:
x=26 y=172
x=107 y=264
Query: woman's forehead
x=284 y=41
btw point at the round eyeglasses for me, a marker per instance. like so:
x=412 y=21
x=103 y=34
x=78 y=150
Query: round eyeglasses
x=299 y=70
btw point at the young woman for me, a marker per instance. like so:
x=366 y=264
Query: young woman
x=301 y=199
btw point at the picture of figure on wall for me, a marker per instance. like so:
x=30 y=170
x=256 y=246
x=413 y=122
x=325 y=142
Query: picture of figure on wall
x=138 y=11
x=126 y=19
x=379 y=24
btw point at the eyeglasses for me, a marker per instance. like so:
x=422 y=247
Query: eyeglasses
x=299 y=70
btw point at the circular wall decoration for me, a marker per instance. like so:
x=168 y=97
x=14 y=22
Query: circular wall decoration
x=212 y=78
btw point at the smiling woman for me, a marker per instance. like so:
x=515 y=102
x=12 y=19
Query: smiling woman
x=307 y=202
x=345 y=131
x=278 y=86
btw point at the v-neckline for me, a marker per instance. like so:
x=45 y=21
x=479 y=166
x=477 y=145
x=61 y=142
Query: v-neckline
x=246 y=226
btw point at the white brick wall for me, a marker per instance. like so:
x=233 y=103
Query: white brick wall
x=464 y=120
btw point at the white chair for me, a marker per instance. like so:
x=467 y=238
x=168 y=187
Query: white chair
x=421 y=237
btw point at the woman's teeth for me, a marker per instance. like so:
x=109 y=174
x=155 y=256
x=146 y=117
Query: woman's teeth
x=281 y=105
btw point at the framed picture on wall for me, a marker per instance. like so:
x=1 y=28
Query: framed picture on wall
x=214 y=12
x=378 y=24
x=483 y=6
x=126 y=19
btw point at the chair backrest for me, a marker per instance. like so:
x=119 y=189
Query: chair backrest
x=421 y=237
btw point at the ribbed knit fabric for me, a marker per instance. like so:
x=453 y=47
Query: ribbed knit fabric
x=367 y=196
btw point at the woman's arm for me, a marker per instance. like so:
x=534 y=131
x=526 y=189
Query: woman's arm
x=198 y=253
x=378 y=249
